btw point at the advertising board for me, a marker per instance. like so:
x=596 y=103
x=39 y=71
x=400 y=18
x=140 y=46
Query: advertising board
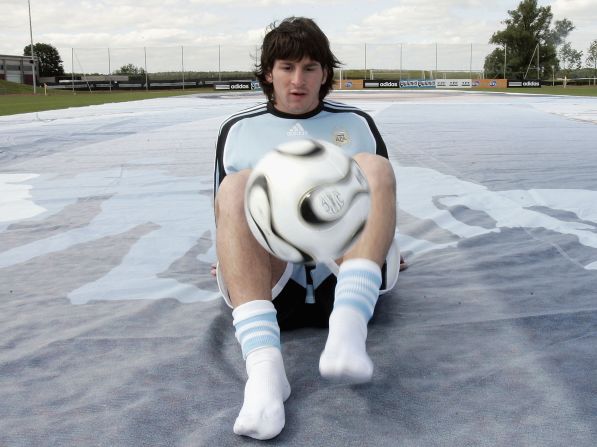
x=380 y=83
x=534 y=83
x=490 y=83
x=453 y=83
x=233 y=85
x=417 y=83
x=348 y=84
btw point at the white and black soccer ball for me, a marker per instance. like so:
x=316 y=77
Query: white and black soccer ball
x=306 y=201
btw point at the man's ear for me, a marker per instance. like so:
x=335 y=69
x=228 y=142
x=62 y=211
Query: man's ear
x=325 y=75
x=269 y=78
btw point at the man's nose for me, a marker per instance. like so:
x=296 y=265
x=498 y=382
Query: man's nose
x=298 y=77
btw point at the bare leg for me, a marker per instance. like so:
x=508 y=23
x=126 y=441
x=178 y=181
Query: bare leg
x=345 y=354
x=250 y=272
x=248 y=269
x=377 y=237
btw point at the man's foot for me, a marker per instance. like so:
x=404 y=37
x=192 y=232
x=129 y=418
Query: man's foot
x=345 y=357
x=262 y=414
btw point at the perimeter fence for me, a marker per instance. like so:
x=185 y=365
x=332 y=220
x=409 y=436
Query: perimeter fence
x=226 y=62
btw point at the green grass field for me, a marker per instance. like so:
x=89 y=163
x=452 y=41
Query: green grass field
x=17 y=98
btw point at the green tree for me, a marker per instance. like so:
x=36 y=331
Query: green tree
x=130 y=69
x=50 y=63
x=592 y=59
x=529 y=25
x=570 y=58
x=560 y=31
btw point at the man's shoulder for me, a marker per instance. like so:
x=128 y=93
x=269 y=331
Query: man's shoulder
x=340 y=107
x=249 y=112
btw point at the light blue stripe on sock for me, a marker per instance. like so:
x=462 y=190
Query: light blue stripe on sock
x=358 y=274
x=357 y=304
x=358 y=289
x=268 y=317
x=261 y=341
x=246 y=333
x=263 y=332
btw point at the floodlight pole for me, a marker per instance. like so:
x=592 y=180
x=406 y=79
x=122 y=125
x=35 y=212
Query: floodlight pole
x=470 y=66
x=400 y=61
x=505 y=58
x=365 y=61
x=538 y=49
x=435 y=77
x=146 y=79
x=72 y=68
x=182 y=64
x=109 y=70
x=32 y=53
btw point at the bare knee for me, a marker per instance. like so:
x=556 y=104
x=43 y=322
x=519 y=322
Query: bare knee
x=230 y=198
x=378 y=171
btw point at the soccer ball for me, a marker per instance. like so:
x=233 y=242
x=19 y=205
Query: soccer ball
x=306 y=201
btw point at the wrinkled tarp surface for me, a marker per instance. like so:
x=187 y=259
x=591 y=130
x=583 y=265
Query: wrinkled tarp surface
x=112 y=332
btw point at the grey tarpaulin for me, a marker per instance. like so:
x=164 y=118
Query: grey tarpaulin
x=112 y=333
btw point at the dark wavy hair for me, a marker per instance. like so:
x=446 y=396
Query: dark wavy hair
x=293 y=39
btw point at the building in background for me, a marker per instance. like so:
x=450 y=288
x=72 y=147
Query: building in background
x=17 y=69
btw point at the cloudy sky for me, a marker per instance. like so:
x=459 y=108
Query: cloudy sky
x=168 y=23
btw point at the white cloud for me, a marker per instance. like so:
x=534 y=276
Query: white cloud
x=583 y=14
x=577 y=8
x=424 y=21
x=172 y=23
x=261 y=3
x=117 y=17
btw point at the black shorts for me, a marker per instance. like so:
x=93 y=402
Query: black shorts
x=293 y=310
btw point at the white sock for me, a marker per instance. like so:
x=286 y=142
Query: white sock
x=345 y=355
x=262 y=414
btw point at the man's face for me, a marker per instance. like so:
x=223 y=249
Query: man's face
x=296 y=85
